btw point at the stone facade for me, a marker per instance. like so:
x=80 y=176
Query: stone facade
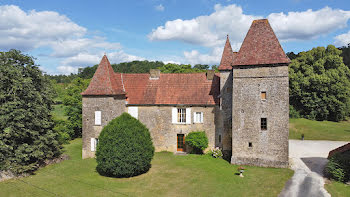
x=110 y=107
x=250 y=144
x=226 y=111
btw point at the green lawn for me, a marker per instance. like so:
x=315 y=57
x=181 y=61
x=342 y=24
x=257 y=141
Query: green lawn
x=58 y=112
x=170 y=175
x=337 y=189
x=319 y=130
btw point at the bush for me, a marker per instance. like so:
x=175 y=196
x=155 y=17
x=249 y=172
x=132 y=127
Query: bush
x=198 y=141
x=215 y=152
x=124 y=148
x=293 y=113
x=338 y=167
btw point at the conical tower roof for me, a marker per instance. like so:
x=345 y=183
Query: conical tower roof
x=227 y=57
x=104 y=81
x=260 y=46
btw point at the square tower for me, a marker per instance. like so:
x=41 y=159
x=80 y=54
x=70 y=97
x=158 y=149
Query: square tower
x=260 y=100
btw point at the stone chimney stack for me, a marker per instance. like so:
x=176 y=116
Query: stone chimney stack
x=155 y=73
x=210 y=74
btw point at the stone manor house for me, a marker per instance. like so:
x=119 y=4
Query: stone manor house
x=244 y=109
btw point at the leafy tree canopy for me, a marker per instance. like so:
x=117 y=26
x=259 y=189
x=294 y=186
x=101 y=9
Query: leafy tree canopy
x=319 y=84
x=26 y=135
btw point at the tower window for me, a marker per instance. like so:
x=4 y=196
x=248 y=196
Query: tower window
x=263 y=123
x=219 y=138
x=263 y=95
x=250 y=144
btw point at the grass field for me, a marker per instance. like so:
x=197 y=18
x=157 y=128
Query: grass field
x=170 y=175
x=337 y=189
x=319 y=130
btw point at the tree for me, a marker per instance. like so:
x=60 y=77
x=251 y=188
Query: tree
x=319 y=84
x=26 y=134
x=124 y=148
x=346 y=54
x=72 y=101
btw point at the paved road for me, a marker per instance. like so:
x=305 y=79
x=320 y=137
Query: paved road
x=308 y=158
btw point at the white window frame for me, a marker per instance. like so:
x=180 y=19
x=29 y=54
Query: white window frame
x=177 y=118
x=134 y=112
x=98 y=118
x=198 y=117
x=93 y=144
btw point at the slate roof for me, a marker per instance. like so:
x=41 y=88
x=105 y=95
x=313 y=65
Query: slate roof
x=260 y=46
x=227 y=57
x=104 y=82
x=169 y=89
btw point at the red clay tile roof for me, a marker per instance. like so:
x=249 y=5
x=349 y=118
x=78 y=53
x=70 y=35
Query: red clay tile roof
x=260 y=46
x=227 y=57
x=341 y=149
x=104 y=82
x=183 y=89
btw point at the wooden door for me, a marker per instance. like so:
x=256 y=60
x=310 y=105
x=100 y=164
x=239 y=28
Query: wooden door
x=181 y=142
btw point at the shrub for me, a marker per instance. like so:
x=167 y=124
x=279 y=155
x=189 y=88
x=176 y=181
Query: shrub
x=198 y=141
x=125 y=148
x=293 y=113
x=215 y=152
x=338 y=167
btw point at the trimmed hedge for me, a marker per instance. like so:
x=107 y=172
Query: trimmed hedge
x=338 y=167
x=198 y=141
x=124 y=148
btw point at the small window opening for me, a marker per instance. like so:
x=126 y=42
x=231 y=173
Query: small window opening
x=263 y=123
x=181 y=115
x=250 y=144
x=263 y=95
x=219 y=138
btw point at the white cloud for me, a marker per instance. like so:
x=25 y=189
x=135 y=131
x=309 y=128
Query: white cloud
x=67 y=40
x=308 y=24
x=342 y=39
x=29 y=30
x=159 y=7
x=71 y=64
x=210 y=31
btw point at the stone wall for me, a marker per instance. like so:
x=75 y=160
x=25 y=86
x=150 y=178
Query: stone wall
x=226 y=111
x=158 y=119
x=268 y=147
x=110 y=107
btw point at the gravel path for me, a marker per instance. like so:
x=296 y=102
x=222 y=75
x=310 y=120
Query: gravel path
x=308 y=158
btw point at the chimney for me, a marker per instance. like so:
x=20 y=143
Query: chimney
x=155 y=73
x=210 y=74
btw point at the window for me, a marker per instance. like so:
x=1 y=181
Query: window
x=133 y=111
x=181 y=115
x=97 y=117
x=263 y=95
x=219 y=138
x=198 y=117
x=94 y=142
x=250 y=144
x=263 y=123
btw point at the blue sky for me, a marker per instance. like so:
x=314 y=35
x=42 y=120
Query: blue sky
x=65 y=35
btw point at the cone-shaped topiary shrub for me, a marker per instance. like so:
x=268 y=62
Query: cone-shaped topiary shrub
x=198 y=141
x=124 y=148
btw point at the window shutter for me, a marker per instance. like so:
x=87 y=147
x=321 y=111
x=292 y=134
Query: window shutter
x=92 y=144
x=134 y=112
x=174 y=115
x=188 y=115
x=194 y=117
x=202 y=120
x=97 y=117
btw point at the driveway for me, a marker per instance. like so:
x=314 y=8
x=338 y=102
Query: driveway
x=308 y=158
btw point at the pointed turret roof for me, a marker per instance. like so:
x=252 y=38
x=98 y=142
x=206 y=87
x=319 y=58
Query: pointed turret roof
x=227 y=56
x=260 y=46
x=104 y=81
